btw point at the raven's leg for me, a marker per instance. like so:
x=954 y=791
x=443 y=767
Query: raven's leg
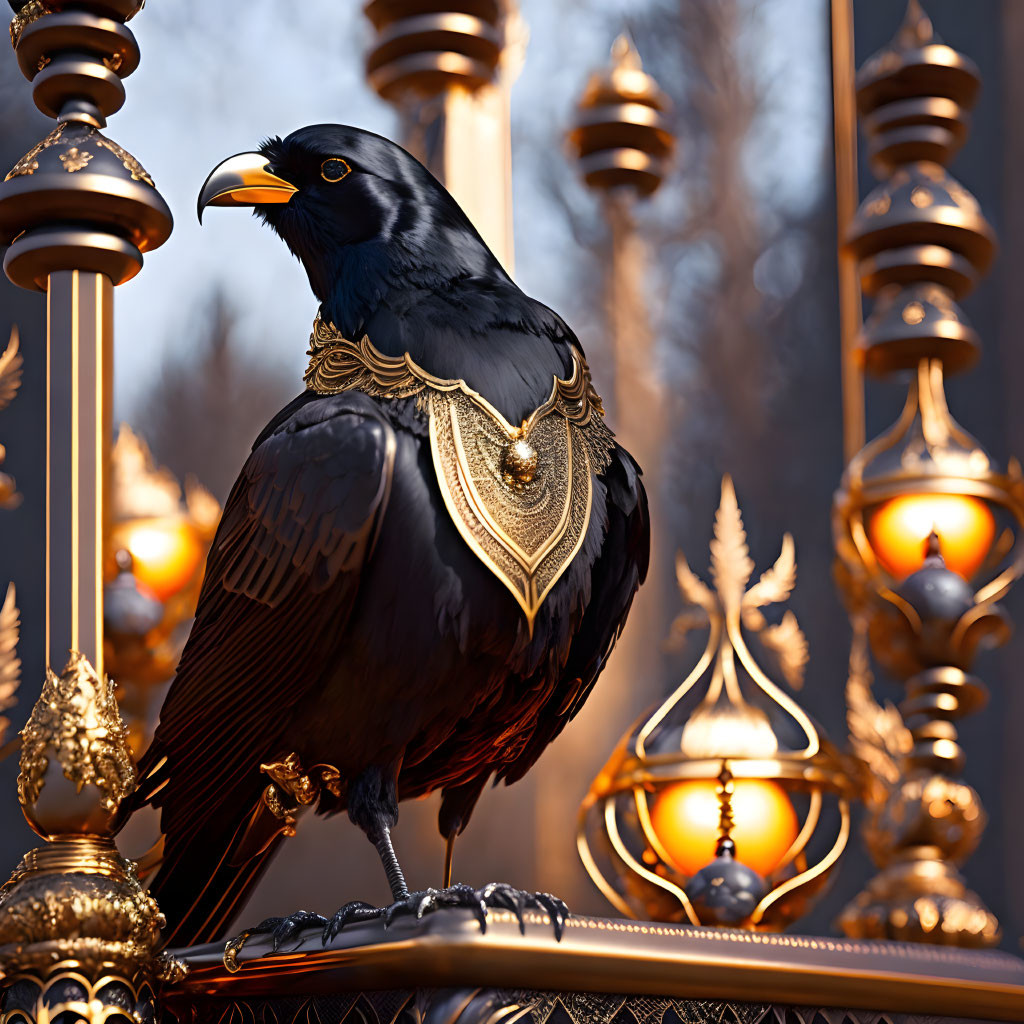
x=457 y=803
x=373 y=806
x=381 y=838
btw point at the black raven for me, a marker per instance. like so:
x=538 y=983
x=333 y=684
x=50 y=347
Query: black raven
x=425 y=561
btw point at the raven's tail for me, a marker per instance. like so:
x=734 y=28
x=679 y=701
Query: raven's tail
x=208 y=863
x=206 y=878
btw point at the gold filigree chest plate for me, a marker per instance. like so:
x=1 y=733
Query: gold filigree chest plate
x=520 y=496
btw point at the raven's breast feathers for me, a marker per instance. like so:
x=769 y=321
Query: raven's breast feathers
x=520 y=496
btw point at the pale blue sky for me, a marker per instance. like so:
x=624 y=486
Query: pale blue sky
x=212 y=83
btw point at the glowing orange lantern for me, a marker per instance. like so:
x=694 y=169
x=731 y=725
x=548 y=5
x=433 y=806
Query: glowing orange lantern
x=898 y=531
x=685 y=819
x=165 y=553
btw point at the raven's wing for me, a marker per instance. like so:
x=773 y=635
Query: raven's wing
x=281 y=578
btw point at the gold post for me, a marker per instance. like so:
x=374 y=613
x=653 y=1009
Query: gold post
x=844 y=107
x=453 y=99
x=79 y=347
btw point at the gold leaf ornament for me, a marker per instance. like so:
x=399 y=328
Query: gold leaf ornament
x=776 y=583
x=731 y=564
x=10 y=663
x=788 y=643
x=691 y=586
x=878 y=735
x=11 y=363
x=76 y=722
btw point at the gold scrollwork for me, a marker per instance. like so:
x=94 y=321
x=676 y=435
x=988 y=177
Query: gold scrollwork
x=292 y=787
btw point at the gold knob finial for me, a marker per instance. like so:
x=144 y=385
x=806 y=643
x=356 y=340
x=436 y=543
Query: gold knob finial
x=75 y=767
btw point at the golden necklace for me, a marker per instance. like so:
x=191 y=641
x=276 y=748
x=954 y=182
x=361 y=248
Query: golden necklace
x=520 y=496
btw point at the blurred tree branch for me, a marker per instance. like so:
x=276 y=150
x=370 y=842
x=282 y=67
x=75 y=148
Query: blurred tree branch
x=202 y=413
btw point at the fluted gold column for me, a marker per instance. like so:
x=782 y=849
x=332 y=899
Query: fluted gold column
x=449 y=74
x=80 y=341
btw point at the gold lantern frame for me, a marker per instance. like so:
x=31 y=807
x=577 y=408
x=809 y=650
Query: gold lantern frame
x=815 y=767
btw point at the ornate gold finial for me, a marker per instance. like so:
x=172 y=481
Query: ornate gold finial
x=621 y=133
x=920 y=821
x=625 y=55
x=74 y=735
x=917 y=29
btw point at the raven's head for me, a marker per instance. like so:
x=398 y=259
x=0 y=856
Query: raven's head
x=359 y=212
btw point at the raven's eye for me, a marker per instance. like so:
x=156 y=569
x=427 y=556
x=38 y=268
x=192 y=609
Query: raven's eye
x=334 y=169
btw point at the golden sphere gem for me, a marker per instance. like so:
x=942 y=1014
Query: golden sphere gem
x=519 y=463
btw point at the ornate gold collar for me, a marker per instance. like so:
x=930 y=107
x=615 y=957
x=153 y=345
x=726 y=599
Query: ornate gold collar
x=520 y=496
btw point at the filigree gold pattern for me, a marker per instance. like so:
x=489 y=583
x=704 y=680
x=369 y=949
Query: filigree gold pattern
x=28 y=163
x=91 y=918
x=137 y=171
x=76 y=721
x=520 y=496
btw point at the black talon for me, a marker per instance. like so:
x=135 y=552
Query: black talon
x=522 y=899
x=280 y=929
x=498 y=895
x=556 y=910
x=288 y=927
x=356 y=910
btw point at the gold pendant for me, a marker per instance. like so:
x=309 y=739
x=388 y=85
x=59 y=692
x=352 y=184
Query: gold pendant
x=521 y=497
